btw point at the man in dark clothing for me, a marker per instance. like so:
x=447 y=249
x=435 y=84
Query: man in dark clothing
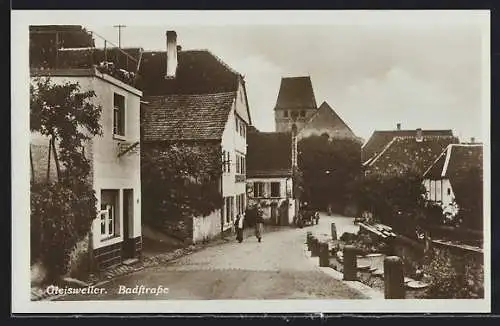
x=259 y=224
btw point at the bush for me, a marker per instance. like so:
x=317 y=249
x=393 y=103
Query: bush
x=57 y=224
x=446 y=280
x=79 y=262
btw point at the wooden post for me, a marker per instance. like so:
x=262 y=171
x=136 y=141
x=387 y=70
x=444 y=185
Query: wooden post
x=350 y=263
x=324 y=255
x=334 y=231
x=314 y=247
x=394 y=287
x=48 y=162
x=309 y=240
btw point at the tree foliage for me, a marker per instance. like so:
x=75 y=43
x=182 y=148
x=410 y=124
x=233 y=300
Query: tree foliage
x=396 y=200
x=68 y=116
x=328 y=167
x=46 y=40
x=468 y=189
x=180 y=180
x=62 y=212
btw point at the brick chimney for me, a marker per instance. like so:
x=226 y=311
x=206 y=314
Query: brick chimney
x=419 y=137
x=398 y=126
x=171 y=54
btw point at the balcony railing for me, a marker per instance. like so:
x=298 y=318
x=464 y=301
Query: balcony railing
x=50 y=53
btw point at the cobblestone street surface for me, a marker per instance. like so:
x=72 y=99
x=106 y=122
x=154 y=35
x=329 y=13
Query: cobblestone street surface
x=276 y=268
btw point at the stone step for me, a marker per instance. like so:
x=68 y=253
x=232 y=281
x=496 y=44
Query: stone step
x=130 y=261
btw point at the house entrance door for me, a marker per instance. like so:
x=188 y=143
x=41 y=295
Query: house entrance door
x=128 y=224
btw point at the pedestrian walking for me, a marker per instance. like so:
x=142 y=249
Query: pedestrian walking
x=259 y=224
x=238 y=223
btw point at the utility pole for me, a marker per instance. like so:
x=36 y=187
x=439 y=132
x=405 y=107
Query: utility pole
x=119 y=34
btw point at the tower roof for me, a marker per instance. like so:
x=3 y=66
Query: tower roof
x=296 y=93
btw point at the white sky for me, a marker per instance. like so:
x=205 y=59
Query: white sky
x=423 y=70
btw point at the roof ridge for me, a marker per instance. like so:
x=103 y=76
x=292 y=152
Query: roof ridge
x=406 y=130
x=195 y=94
x=468 y=145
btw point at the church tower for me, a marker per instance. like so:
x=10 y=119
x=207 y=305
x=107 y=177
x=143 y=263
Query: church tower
x=295 y=105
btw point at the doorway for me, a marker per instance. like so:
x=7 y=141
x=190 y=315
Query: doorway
x=128 y=224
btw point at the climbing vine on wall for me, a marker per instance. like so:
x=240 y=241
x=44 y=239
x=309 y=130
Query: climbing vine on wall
x=62 y=210
x=180 y=180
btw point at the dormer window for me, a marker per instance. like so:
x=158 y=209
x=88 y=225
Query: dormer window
x=285 y=114
x=302 y=113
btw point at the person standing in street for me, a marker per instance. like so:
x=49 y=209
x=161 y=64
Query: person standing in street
x=238 y=223
x=259 y=224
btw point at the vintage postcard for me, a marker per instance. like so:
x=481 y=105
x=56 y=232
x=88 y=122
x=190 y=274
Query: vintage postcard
x=250 y=162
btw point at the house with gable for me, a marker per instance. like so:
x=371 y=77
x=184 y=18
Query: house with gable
x=191 y=97
x=114 y=156
x=270 y=175
x=401 y=151
x=455 y=179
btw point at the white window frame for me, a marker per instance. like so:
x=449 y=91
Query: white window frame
x=109 y=223
x=124 y=116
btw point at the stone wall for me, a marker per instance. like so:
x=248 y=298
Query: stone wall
x=206 y=227
x=179 y=228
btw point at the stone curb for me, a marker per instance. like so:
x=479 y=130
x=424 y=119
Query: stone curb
x=355 y=285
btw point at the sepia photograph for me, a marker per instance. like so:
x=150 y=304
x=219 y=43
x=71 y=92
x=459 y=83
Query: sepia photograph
x=214 y=162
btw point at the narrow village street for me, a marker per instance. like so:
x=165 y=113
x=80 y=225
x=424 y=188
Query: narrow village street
x=277 y=268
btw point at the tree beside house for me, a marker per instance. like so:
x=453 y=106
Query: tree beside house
x=111 y=156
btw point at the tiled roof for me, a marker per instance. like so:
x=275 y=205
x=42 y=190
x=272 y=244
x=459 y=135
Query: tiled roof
x=296 y=92
x=380 y=139
x=403 y=154
x=269 y=154
x=455 y=159
x=198 y=72
x=185 y=116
